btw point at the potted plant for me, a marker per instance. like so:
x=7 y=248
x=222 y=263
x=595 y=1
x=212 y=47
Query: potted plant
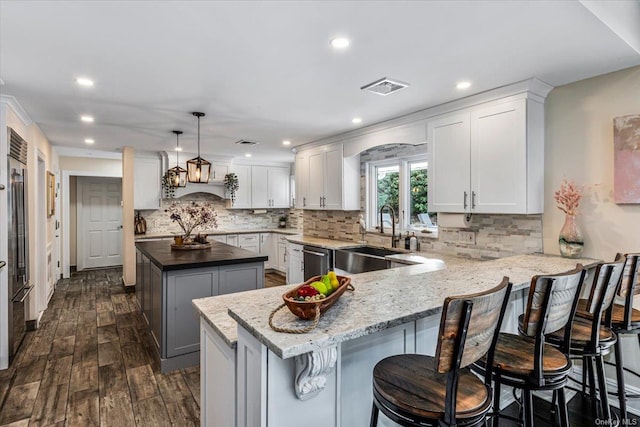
x=168 y=190
x=190 y=216
x=231 y=185
x=282 y=221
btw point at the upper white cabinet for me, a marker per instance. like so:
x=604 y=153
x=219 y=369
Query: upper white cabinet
x=327 y=180
x=218 y=172
x=488 y=158
x=243 y=195
x=270 y=187
x=147 y=185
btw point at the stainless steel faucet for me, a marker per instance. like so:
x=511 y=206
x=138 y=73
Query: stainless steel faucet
x=394 y=240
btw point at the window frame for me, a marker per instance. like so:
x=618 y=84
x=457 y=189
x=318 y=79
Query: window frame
x=404 y=197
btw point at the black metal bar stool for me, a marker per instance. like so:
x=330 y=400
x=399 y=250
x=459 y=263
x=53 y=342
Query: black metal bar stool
x=526 y=361
x=590 y=339
x=623 y=319
x=419 y=390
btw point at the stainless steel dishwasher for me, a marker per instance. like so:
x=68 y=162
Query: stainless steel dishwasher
x=317 y=261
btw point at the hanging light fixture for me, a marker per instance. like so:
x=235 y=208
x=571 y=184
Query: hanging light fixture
x=177 y=174
x=198 y=169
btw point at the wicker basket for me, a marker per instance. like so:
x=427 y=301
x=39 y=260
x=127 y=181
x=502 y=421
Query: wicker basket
x=307 y=309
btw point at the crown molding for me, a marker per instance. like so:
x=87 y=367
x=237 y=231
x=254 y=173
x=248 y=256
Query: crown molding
x=532 y=88
x=86 y=152
x=13 y=103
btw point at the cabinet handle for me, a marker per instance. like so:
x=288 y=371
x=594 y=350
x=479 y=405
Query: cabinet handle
x=302 y=266
x=304 y=202
x=473 y=200
x=1 y=187
x=285 y=257
x=465 y=200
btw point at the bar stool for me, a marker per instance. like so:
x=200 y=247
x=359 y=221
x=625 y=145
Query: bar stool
x=590 y=340
x=623 y=319
x=526 y=361
x=419 y=390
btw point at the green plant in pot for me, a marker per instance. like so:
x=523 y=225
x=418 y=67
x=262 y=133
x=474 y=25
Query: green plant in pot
x=231 y=185
x=169 y=191
x=282 y=221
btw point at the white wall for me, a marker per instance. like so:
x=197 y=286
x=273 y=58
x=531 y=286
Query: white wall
x=579 y=146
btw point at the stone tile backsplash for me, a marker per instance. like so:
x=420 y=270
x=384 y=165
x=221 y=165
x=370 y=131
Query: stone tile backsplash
x=228 y=219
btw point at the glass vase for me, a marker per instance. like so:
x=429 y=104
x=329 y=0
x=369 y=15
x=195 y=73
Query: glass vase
x=570 y=239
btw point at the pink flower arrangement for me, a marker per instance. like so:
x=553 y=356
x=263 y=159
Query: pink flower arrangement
x=192 y=215
x=568 y=197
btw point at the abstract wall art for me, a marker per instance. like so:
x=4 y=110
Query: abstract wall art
x=626 y=159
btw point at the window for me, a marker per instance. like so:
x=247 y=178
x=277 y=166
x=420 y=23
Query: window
x=400 y=183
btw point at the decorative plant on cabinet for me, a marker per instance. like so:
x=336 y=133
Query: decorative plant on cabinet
x=231 y=185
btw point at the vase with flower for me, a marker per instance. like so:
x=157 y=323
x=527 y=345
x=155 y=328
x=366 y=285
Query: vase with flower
x=190 y=216
x=570 y=239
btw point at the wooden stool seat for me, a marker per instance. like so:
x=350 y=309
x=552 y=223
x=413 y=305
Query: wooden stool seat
x=617 y=314
x=581 y=335
x=410 y=382
x=515 y=356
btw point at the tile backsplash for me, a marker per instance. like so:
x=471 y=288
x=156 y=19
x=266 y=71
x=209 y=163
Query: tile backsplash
x=228 y=219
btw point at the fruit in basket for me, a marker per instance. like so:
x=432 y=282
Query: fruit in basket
x=327 y=283
x=321 y=287
x=333 y=279
x=307 y=291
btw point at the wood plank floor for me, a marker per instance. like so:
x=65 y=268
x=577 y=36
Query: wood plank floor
x=91 y=364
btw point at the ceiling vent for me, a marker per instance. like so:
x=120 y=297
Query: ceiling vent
x=246 y=143
x=385 y=86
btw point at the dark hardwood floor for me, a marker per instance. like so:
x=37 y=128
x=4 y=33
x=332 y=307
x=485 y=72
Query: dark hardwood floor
x=91 y=363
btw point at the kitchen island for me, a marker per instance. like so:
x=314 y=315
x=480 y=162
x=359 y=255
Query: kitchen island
x=166 y=282
x=254 y=376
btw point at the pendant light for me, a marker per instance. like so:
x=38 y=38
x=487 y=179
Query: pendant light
x=198 y=169
x=178 y=175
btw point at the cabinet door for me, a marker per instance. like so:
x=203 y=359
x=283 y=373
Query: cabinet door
x=218 y=172
x=282 y=257
x=333 y=179
x=302 y=181
x=295 y=270
x=139 y=278
x=267 y=248
x=448 y=139
x=241 y=277
x=183 y=325
x=243 y=195
x=232 y=239
x=260 y=187
x=146 y=290
x=279 y=187
x=147 y=188
x=221 y=239
x=499 y=159
x=156 y=306
x=316 y=180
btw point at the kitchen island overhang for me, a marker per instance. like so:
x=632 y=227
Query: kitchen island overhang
x=168 y=280
x=282 y=377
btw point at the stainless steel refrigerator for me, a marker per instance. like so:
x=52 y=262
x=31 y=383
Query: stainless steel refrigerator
x=18 y=227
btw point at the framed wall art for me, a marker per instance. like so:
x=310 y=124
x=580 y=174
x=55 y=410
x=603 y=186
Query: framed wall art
x=626 y=159
x=51 y=194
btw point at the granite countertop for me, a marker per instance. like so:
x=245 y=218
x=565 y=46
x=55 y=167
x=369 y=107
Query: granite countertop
x=161 y=254
x=382 y=299
x=139 y=237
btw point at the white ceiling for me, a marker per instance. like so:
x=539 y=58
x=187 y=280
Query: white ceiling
x=265 y=71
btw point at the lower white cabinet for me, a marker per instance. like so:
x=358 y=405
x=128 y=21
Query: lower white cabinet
x=268 y=249
x=218 y=238
x=295 y=269
x=281 y=249
x=250 y=242
x=232 y=239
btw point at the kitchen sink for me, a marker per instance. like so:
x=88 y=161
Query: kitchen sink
x=363 y=259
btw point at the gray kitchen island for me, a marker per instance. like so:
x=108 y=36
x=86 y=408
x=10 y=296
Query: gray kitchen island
x=168 y=280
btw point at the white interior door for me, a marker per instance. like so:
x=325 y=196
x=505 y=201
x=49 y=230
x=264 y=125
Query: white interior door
x=99 y=222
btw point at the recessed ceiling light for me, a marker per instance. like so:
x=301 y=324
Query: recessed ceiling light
x=89 y=141
x=340 y=42
x=87 y=119
x=83 y=81
x=356 y=120
x=463 y=85
x=178 y=149
x=248 y=155
x=286 y=142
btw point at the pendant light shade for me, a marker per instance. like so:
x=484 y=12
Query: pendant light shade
x=198 y=169
x=178 y=175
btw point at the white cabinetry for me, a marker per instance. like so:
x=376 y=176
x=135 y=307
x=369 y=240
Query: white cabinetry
x=268 y=249
x=232 y=239
x=269 y=187
x=282 y=253
x=327 y=180
x=295 y=269
x=250 y=242
x=488 y=159
x=147 y=186
x=222 y=238
x=243 y=195
x=218 y=172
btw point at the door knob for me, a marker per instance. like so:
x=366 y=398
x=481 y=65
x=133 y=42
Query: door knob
x=1 y=187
